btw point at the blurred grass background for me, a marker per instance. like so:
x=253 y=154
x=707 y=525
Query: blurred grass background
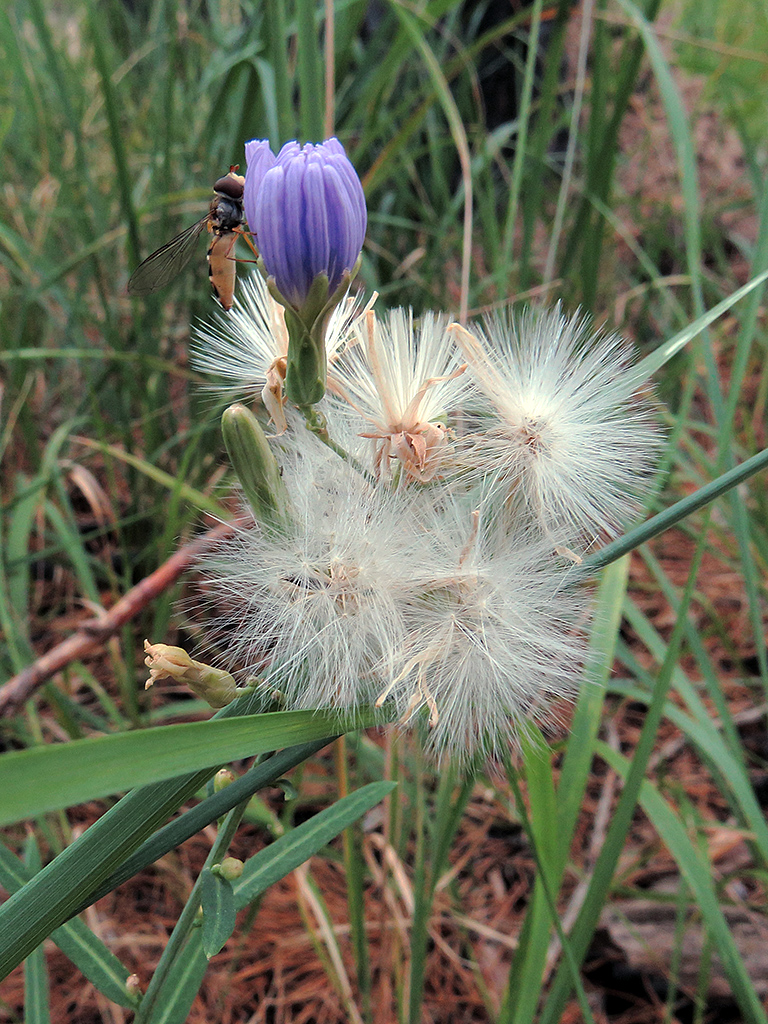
x=611 y=155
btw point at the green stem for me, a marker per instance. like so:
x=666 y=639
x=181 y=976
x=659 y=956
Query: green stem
x=186 y=919
x=353 y=870
x=317 y=425
x=422 y=892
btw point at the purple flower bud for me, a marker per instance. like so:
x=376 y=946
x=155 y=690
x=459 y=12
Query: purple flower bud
x=307 y=210
x=258 y=158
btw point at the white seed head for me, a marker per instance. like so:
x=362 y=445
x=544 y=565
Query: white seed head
x=401 y=379
x=493 y=635
x=449 y=600
x=569 y=437
x=318 y=613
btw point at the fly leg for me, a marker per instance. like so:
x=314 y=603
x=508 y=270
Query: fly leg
x=247 y=237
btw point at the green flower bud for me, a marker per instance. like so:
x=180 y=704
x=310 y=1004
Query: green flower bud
x=133 y=987
x=256 y=468
x=307 y=363
x=223 y=778
x=229 y=869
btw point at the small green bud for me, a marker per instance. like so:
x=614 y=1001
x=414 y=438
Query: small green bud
x=223 y=778
x=256 y=468
x=133 y=987
x=229 y=869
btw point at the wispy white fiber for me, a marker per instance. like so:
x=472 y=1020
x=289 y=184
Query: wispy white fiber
x=402 y=378
x=247 y=346
x=240 y=346
x=492 y=637
x=420 y=573
x=568 y=433
x=318 y=613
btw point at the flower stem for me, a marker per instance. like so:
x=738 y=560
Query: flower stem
x=186 y=921
x=316 y=424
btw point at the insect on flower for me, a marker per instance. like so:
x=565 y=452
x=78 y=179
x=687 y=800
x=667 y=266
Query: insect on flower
x=224 y=221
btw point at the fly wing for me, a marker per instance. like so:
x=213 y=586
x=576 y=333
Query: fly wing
x=167 y=262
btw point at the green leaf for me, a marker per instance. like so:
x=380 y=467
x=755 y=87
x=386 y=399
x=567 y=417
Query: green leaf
x=653 y=362
x=36 y=985
x=67 y=884
x=286 y=853
x=188 y=824
x=76 y=941
x=685 y=507
x=46 y=778
x=217 y=898
x=92 y=958
x=173 y=999
x=182 y=984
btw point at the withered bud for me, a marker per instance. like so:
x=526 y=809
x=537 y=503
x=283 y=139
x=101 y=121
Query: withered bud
x=214 y=685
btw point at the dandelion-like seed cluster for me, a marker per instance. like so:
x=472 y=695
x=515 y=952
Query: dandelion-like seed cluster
x=440 y=501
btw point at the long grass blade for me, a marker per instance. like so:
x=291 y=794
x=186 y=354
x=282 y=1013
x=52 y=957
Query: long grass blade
x=36 y=983
x=696 y=869
x=607 y=860
x=76 y=941
x=47 y=777
x=63 y=886
x=675 y=513
x=523 y=993
x=655 y=360
x=309 y=72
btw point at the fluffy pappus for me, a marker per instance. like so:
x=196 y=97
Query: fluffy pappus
x=317 y=613
x=565 y=427
x=494 y=634
x=401 y=378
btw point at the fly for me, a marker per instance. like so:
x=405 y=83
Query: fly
x=224 y=221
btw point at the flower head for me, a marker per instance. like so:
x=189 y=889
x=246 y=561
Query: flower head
x=491 y=637
x=570 y=439
x=316 y=611
x=307 y=210
x=403 y=379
